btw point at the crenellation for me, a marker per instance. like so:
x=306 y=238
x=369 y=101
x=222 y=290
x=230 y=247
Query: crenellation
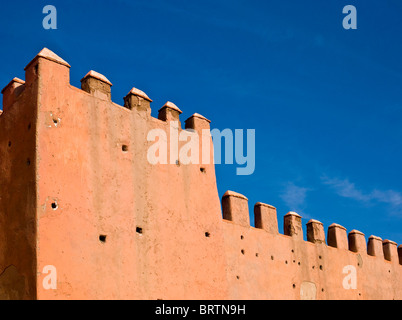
x=170 y=112
x=47 y=64
x=337 y=237
x=375 y=247
x=390 y=251
x=293 y=225
x=11 y=92
x=315 y=231
x=235 y=208
x=265 y=217
x=138 y=100
x=197 y=122
x=105 y=189
x=357 y=242
x=97 y=85
x=47 y=54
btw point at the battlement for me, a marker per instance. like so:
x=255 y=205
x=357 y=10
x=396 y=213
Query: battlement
x=80 y=194
x=309 y=267
x=235 y=209
x=95 y=84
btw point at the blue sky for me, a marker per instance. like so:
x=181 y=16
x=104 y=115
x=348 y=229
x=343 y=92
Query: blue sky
x=326 y=103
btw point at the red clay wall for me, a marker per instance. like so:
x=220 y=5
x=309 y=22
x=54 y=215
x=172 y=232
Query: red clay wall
x=165 y=236
x=18 y=191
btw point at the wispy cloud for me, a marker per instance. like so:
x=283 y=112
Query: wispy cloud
x=390 y=196
x=347 y=189
x=294 y=197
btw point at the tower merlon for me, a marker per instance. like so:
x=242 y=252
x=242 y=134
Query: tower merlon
x=169 y=112
x=315 y=231
x=390 y=250
x=47 y=54
x=97 y=84
x=137 y=99
x=357 y=242
x=292 y=225
x=16 y=82
x=197 y=122
x=11 y=92
x=265 y=217
x=374 y=247
x=235 y=208
x=337 y=237
x=48 y=65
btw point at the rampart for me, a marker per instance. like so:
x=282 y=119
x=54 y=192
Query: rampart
x=77 y=192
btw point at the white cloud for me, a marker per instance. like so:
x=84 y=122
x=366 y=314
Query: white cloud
x=390 y=196
x=294 y=197
x=346 y=189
